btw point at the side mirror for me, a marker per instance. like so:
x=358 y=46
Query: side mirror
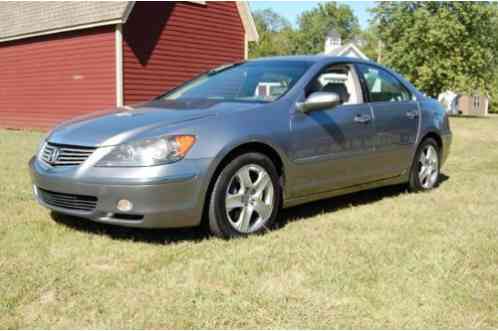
x=318 y=101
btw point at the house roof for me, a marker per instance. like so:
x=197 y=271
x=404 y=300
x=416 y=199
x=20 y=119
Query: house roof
x=344 y=49
x=333 y=34
x=19 y=20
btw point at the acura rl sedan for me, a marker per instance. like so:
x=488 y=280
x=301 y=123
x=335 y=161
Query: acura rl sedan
x=235 y=145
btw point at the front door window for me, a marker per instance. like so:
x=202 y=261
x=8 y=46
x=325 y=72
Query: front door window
x=340 y=79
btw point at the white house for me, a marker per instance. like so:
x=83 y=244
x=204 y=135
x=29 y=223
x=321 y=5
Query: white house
x=334 y=47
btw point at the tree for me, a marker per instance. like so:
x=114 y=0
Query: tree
x=441 y=45
x=371 y=43
x=317 y=22
x=275 y=34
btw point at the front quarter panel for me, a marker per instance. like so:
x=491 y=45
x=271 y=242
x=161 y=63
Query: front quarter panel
x=267 y=124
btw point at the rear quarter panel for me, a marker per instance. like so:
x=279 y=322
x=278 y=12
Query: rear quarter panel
x=435 y=120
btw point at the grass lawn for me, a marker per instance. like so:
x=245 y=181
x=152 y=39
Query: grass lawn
x=375 y=259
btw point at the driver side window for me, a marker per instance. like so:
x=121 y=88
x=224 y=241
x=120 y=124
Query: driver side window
x=340 y=79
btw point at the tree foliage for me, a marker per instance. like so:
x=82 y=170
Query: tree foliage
x=441 y=45
x=278 y=37
x=314 y=25
x=275 y=34
x=370 y=45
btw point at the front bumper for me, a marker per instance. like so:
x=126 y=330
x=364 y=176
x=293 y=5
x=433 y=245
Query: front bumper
x=163 y=197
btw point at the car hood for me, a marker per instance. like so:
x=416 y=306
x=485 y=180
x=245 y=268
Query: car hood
x=119 y=125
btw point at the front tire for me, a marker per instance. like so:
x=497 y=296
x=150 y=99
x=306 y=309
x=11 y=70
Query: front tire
x=246 y=197
x=424 y=174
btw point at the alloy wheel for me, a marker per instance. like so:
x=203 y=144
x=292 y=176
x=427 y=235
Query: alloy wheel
x=428 y=167
x=249 y=199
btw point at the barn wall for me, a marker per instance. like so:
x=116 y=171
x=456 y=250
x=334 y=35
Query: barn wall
x=178 y=42
x=48 y=79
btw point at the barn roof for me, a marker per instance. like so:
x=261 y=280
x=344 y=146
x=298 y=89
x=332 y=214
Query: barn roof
x=19 y=20
x=25 y=19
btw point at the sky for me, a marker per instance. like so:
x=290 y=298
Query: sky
x=292 y=9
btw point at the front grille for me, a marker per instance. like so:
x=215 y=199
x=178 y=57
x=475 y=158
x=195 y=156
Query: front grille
x=65 y=155
x=68 y=201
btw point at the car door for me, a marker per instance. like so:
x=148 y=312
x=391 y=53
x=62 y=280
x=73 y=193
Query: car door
x=331 y=147
x=397 y=118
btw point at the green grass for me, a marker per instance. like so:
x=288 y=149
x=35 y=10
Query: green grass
x=375 y=259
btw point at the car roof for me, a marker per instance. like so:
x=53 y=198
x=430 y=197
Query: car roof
x=311 y=59
x=327 y=59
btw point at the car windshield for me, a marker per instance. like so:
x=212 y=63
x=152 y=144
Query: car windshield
x=258 y=81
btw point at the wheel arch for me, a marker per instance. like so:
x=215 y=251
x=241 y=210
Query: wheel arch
x=414 y=184
x=436 y=136
x=431 y=133
x=231 y=153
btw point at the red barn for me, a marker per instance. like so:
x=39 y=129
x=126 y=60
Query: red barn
x=62 y=59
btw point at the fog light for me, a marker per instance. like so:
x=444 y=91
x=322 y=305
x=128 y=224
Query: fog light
x=124 y=205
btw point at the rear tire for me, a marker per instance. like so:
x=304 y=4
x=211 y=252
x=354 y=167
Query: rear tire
x=246 y=197
x=424 y=173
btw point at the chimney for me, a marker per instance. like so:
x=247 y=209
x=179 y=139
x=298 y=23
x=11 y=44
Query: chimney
x=332 y=41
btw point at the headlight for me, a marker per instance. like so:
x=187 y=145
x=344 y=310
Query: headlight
x=148 y=152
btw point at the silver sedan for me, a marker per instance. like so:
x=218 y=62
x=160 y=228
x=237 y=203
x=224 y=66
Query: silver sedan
x=235 y=145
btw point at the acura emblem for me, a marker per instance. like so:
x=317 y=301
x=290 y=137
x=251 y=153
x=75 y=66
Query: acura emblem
x=54 y=156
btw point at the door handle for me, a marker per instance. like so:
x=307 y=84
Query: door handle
x=362 y=118
x=412 y=114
